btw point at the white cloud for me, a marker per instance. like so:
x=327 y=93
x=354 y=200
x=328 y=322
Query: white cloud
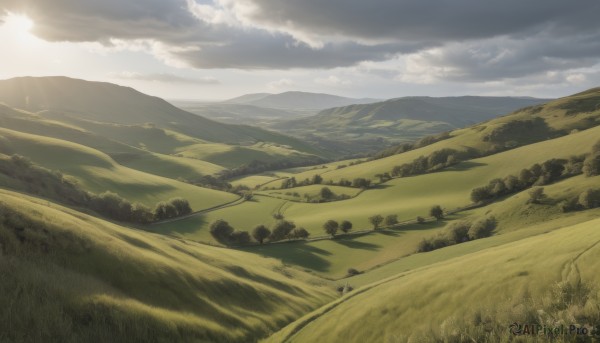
x=280 y=84
x=333 y=81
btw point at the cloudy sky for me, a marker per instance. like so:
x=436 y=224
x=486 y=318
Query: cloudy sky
x=203 y=49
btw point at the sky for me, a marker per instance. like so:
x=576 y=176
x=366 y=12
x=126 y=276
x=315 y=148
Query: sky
x=214 y=50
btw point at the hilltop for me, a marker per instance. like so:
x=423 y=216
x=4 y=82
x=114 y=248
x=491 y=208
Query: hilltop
x=402 y=119
x=298 y=100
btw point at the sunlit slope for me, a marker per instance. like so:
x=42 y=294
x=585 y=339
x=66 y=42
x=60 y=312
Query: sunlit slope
x=407 y=197
x=555 y=118
x=232 y=156
x=97 y=172
x=129 y=155
x=439 y=300
x=108 y=103
x=70 y=277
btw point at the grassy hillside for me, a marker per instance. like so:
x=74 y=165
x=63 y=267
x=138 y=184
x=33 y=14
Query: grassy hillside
x=403 y=119
x=524 y=281
x=407 y=197
x=70 y=277
x=97 y=172
x=69 y=100
x=539 y=123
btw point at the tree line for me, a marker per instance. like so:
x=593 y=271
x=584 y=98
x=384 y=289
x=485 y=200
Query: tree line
x=54 y=185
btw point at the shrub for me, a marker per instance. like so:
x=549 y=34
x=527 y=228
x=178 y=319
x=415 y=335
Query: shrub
x=420 y=220
x=457 y=232
x=352 y=272
x=536 y=195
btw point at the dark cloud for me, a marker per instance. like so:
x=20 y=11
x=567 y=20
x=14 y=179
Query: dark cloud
x=474 y=39
x=507 y=58
x=422 y=20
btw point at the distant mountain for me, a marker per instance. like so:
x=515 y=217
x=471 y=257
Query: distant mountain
x=72 y=101
x=405 y=118
x=298 y=100
x=244 y=99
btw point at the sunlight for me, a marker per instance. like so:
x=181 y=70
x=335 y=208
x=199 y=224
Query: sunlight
x=19 y=27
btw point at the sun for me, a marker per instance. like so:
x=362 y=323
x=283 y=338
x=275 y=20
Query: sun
x=19 y=27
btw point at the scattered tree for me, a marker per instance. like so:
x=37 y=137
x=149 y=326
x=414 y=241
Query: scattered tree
x=376 y=220
x=346 y=226
x=437 y=212
x=331 y=227
x=260 y=233
x=536 y=195
x=221 y=231
x=281 y=230
x=317 y=179
x=352 y=272
x=240 y=237
x=391 y=220
x=326 y=193
x=300 y=233
x=589 y=198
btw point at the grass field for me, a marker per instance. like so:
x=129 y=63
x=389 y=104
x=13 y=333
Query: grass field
x=500 y=283
x=309 y=192
x=97 y=172
x=406 y=197
x=87 y=279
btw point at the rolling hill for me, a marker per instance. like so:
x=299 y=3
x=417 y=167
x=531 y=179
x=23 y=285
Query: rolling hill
x=402 y=119
x=297 y=100
x=75 y=277
x=73 y=101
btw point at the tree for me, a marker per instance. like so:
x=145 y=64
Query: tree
x=591 y=165
x=589 y=198
x=391 y=219
x=160 y=211
x=346 y=226
x=326 y=193
x=240 y=237
x=480 y=194
x=482 y=228
x=437 y=212
x=317 y=179
x=221 y=231
x=331 y=227
x=420 y=220
x=141 y=214
x=300 y=233
x=361 y=183
x=260 y=233
x=536 y=195
x=182 y=206
x=281 y=230
x=376 y=220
